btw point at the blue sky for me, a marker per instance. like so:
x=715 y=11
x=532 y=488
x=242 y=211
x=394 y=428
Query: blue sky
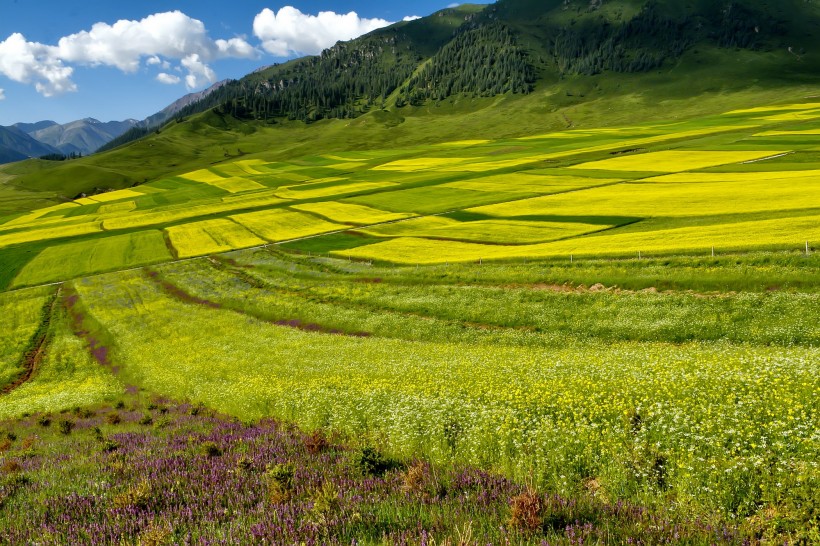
x=117 y=60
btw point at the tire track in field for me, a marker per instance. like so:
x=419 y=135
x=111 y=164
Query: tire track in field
x=88 y=329
x=180 y=294
x=37 y=346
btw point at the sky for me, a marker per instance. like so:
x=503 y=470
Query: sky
x=64 y=61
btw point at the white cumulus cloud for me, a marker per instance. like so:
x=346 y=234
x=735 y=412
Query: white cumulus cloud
x=2 y=94
x=291 y=32
x=161 y=37
x=168 y=79
x=411 y=18
x=156 y=61
x=32 y=62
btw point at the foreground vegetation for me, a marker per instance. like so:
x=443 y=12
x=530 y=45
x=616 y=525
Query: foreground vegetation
x=697 y=406
x=150 y=471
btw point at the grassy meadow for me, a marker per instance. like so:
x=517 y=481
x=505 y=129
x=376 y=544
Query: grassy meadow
x=587 y=336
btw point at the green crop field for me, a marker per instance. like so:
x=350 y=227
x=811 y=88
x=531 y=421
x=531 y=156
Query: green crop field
x=625 y=314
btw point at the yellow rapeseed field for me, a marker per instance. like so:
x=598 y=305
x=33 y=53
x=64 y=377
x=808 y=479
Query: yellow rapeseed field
x=674 y=161
x=349 y=213
x=783 y=233
x=282 y=225
x=665 y=199
x=210 y=236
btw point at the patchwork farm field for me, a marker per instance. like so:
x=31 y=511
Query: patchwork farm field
x=593 y=336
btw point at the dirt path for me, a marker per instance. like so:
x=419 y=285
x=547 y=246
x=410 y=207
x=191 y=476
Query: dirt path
x=37 y=347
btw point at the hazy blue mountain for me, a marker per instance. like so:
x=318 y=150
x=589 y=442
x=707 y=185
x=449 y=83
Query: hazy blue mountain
x=84 y=136
x=16 y=145
x=29 y=128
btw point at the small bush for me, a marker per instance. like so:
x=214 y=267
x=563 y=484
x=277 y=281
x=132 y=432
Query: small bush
x=371 y=462
x=11 y=466
x=137 y=496
x=110 y=446
x=416 y=478
x=243 y=464
x=146 y=419
x=11 y=436
x=83 y=413
x=210 y=449
x=5 y=445
x=279 y=478
x=119 y=405
x=44 y=421
x=526 y=511
x=28 y=442
x=155 y=535
x=162 y=423
x=197 y=408
x=97 y=433
x=316 y=442
x=326 y=500
x=113 y=418
x=66 y=426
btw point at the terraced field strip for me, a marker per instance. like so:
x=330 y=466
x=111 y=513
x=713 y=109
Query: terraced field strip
x=492 y=231
x=181 y=212
x=49 y=233
x=689 y=197
x=529 y=182
x=674 y=161
x=319 y=190
x=76 y=259
x=117 y=195
x=782 y=233
x=281 y=224
x=210 y=236
x=349 y=213
x=181 y=294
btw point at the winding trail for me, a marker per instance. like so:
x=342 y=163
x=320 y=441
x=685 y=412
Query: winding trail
x=37 y=346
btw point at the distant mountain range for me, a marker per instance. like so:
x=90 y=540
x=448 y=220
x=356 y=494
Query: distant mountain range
x=16 y=145
x=83 y=137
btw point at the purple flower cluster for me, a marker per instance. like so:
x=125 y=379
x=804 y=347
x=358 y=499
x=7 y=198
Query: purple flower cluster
x=192 y=477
